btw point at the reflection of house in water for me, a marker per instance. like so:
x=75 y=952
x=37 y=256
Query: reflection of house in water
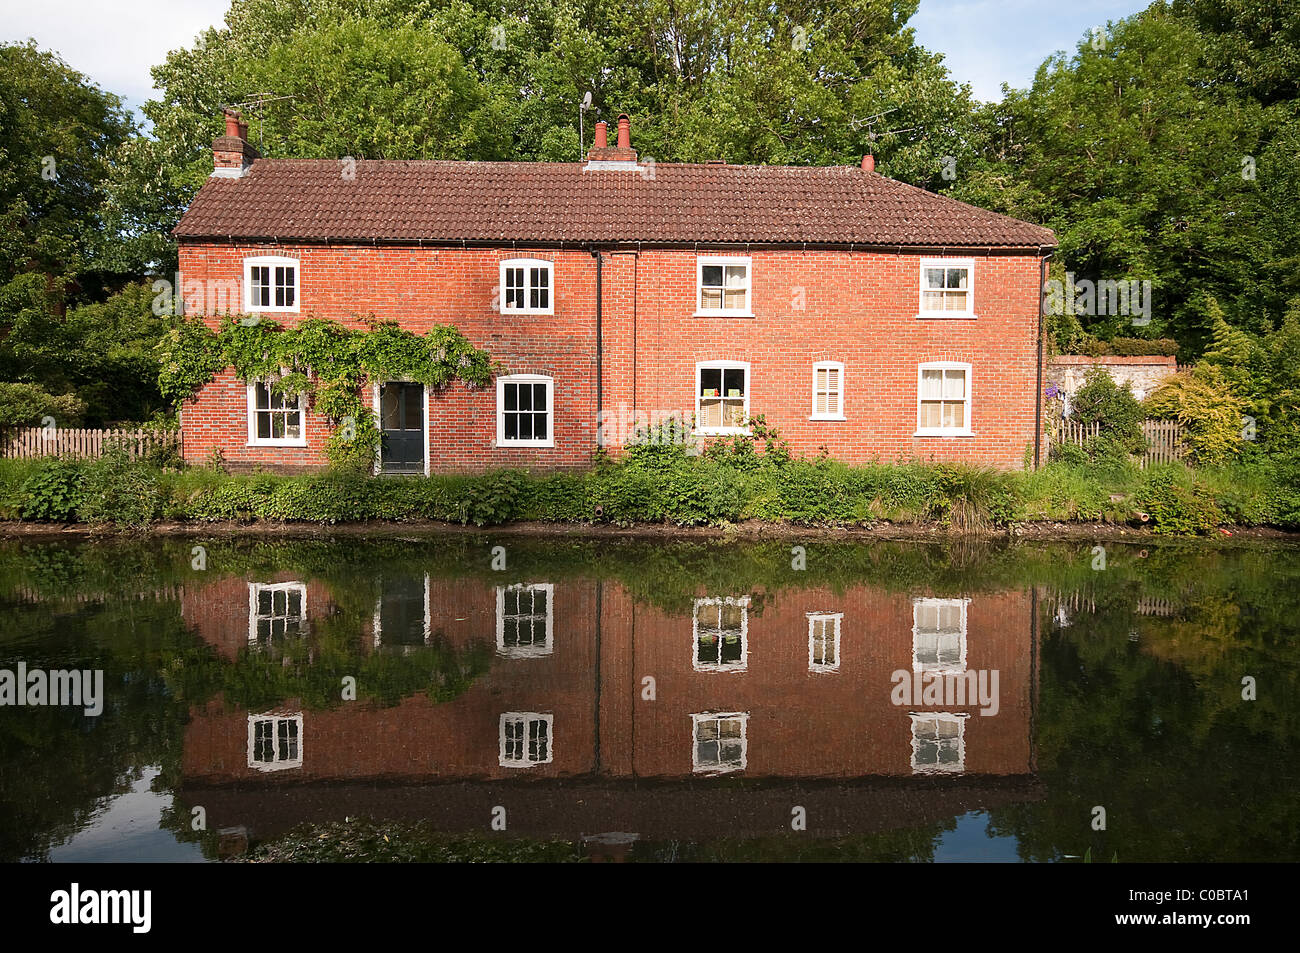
x=591 y=695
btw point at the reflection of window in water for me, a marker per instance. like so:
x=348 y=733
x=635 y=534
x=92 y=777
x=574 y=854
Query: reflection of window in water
x=275 y=742
x=402 y=612
x=719 y=741
x=939 y=635
x=719 y=630
x=275 y=611
x=525 y=739
x=938 y=743
x=824 y=641
x=525 y=619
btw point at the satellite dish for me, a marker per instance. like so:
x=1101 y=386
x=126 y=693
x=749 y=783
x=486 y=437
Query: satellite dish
x=586 y=101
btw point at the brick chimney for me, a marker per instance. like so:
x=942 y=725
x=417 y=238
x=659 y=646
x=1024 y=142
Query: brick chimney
x=620 y=156
x=232 y=153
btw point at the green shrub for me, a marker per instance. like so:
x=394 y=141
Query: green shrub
x=118 y=489
x=1204 y=402
x=52 y=493
x=1101 y=401
x=1177 y=503
x=26 y=405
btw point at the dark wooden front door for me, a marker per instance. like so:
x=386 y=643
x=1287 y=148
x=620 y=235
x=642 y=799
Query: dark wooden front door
x=401 y=419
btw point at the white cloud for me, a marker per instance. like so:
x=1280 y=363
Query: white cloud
x=114 y=42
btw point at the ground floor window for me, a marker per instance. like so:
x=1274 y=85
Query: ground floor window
x=525 y=411
x=275 y=418
x=274 y=742
x=824 y=641
x=721 y=396
x=943 y=399
x=525 y=739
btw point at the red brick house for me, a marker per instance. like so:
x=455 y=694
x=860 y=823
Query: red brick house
x=854 y=312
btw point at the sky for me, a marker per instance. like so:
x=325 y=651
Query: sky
x=985 y=42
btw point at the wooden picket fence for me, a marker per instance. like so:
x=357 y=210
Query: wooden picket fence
x=1164 y=438
x=28 y=443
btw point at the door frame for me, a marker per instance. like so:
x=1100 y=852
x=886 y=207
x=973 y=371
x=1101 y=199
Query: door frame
x=379 y=420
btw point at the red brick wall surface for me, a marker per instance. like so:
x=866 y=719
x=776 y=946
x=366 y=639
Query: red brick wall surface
x=859 y=308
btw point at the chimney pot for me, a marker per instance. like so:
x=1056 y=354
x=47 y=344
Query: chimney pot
x=233 y=123
x=602 y=137
x=624 y=132
x=868 y=163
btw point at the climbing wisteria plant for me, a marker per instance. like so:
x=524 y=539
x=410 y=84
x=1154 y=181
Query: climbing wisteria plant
x=326 y=361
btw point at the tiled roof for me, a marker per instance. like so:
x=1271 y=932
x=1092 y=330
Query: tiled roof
x=556 y=202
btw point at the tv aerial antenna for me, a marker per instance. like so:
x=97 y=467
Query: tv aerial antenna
x=256 y=106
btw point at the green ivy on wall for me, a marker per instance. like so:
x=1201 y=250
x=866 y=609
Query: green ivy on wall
x=325 y=361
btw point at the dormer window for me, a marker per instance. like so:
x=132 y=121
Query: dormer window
x=270 y=284
x=526 y=286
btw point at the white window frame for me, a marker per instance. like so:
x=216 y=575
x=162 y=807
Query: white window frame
x=275 y=718
x=940 y=667
x=828 y=366
x=253 y=439
x=272 y=262
x=969 y=265
x=526 y=651
x=501 y=409
x=526 y=718
x=723 y=366
x=837 y=618
x=965 y=431
x=719 y=767
x=257 y=588
x=958 y=718
x=743 y=664
x=528 y=264
x=703 y=261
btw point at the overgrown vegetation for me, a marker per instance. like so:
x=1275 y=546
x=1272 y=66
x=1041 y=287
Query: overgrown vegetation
x=325 y=361
x=663 y=483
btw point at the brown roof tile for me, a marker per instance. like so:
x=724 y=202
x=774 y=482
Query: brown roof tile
x=555 y=202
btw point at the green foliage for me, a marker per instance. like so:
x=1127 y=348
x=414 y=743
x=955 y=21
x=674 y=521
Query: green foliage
x=1211 y=413
x=326 y=361
x=1101 y=401
x=52 y=493
x=363 y=840
x=119 y=490
x=1177 y=503
x=23 y=405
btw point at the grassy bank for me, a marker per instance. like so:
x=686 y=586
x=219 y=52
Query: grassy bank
x=661 y=486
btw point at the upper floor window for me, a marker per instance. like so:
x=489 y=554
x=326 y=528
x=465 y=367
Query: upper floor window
x=828 y=391
x=719 y=742
x=525 y=739
x=526 y=286
x=938 y=743
x=721 y=396
x=947 y=287
x=274 y=742
x=525 y=620
x=723 y=285
x=524 y=411
x=943 y=399
x=275 y=418
x=270 y=284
